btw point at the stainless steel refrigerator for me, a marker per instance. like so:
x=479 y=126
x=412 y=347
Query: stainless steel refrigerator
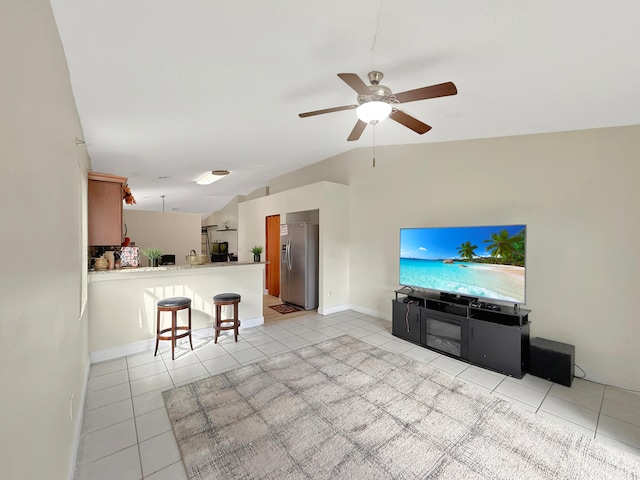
x=299 y=264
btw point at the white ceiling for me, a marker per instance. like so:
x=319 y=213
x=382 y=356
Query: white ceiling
x=173 y=88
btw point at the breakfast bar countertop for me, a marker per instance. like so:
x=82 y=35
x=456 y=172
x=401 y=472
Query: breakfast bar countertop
x=163 y=268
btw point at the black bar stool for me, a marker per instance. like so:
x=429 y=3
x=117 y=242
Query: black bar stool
x=173 y=305
x=229 y=323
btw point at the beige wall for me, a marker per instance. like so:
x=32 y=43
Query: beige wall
x=576 y=191
x=257 y=193
x=175 y=233
x=331 y=200
x=44 y=354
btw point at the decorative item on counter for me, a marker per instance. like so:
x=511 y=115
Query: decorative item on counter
x=257 y=251
x=116 y=256
x=196 y=259
x=127 y=196
x=126 y=240
x=101 y=263
x=129 y=257
x=153 y=254
x=109 y=255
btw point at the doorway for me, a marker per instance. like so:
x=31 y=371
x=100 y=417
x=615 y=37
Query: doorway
x=272 y=228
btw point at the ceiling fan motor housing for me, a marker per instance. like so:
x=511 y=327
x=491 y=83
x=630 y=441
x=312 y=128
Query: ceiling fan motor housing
x=379 y=93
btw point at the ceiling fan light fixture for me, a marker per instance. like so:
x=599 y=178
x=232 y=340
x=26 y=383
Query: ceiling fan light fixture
x=212 y=176
x=373 y=112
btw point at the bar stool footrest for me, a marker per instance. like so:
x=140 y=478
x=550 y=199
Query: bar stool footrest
x=170 y=337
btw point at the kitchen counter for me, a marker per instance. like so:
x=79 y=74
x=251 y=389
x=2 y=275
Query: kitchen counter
x=122 y=303
x=164 y=268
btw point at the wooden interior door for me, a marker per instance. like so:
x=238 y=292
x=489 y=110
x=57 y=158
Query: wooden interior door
x=273 y=254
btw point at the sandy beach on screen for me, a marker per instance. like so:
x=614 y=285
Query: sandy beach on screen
x=508 y=270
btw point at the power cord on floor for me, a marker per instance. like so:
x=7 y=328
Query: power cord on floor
x=584 y=377
x=584 y=374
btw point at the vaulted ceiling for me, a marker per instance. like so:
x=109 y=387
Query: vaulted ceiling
x=167 y=90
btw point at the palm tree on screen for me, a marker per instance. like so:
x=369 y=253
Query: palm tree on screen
x=501 y=246
x=466 y=250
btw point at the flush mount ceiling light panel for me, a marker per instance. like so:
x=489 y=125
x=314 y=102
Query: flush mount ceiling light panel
x=376 y=102
x=211 y=177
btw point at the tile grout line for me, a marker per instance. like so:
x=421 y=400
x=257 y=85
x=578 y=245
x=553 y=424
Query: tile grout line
x=604 y=392
x=316 y=327
x=543 y=399
x=135 y=423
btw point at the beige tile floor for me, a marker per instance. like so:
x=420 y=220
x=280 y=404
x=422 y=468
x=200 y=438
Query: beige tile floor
x=126 y=432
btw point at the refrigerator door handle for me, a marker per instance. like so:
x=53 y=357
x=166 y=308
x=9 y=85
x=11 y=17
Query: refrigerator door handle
x=289 y=253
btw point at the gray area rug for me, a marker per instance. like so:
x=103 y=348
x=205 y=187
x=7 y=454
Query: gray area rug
x=344 y=409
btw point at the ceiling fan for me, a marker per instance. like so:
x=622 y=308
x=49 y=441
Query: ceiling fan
x=376 y=102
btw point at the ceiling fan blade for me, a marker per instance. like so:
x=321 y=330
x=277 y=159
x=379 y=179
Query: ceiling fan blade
x=409 y=122
x=434 y=91
x=327 y=110
x=357 y=131
x=355 y=82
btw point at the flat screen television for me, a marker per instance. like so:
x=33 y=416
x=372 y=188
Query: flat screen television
x=485 y=262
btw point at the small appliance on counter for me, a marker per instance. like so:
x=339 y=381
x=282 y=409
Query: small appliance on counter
x=167 y=260
x=220 y=252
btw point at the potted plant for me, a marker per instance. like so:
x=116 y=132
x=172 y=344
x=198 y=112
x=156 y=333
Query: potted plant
x=153 y=254
x=257 y=250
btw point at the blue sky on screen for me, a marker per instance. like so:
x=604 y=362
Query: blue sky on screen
x=443 y=242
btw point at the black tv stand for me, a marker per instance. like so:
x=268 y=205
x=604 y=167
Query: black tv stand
x=488 y=335
x=459 y=299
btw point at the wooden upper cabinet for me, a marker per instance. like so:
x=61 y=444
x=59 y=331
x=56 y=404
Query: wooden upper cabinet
x=105 y=209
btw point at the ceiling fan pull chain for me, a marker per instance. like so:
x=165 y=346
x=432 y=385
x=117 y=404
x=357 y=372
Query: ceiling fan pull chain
x=374 y=146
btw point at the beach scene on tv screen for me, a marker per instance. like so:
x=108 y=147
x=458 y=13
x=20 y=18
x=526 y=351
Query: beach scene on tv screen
x=486 y=261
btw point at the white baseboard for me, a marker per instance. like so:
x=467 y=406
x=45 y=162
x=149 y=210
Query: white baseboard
x=373 y=313
x=355 y=308
x=79 y=419
x=252 y=322
x=122 y=350
x=335 y=309
x=149 y=344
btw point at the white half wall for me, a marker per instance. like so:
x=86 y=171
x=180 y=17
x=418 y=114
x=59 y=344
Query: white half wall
x=122 y=304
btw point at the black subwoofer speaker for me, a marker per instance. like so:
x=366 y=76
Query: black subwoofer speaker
x=552 y=360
